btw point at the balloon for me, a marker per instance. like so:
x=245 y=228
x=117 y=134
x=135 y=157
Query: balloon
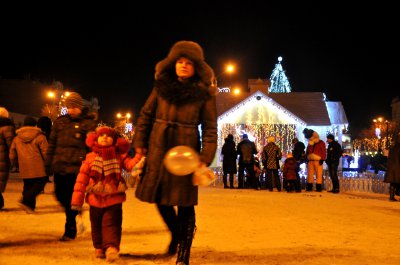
x=181 y=160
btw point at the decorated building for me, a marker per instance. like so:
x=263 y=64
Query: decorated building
x=270 y=108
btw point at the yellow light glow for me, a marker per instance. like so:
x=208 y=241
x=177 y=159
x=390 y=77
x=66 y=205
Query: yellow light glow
x=67 y=94
x=128 y=115
x=119 y=115
x=51 y=94
x=236 y=91
x=230 y=68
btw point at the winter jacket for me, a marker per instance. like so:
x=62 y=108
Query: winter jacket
x=28 y=150
x=271 y=155
x=229 y=157
x=84 y=183
x=393 y=166
x=7 y=133
x=290 y=169
x=170 y=117
x=246 y=150
x=334 y=153
x=67 y=148
x=299 y=151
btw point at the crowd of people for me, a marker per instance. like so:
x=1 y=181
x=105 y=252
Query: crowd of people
x=86 y=161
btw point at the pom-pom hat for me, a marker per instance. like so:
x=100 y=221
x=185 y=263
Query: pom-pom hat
x=74 y=100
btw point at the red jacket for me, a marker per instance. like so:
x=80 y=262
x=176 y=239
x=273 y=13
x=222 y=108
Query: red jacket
x=83 y=181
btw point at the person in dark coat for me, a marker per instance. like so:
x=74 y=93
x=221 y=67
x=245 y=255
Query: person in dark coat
x=334 y=153
x=246 y=150
x=229 y=161
x=392 y=175
x=45 y=124
x=7 y=134
x=183 y=98
x=271 y=155
x=299 y=155
x=66 y=151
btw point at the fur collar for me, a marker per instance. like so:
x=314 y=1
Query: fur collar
x=178 y=93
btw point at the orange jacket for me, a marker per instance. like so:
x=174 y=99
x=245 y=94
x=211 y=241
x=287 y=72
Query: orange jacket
x=100 y=200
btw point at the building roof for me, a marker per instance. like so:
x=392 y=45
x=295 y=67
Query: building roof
x=308 y=106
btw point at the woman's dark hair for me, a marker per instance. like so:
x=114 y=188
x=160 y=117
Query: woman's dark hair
x=45 y=124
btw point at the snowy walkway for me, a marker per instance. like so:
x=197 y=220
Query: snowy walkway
x=233 y=227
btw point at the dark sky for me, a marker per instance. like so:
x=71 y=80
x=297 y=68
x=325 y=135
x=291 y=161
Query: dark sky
x=109 y=50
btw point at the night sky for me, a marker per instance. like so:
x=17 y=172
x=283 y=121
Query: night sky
x=109 y=51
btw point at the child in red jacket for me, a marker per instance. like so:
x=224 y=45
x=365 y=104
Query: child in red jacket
x=100 y=179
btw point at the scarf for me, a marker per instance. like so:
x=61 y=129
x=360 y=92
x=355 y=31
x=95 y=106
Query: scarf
x=106 y=167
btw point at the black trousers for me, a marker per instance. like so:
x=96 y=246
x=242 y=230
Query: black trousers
x=250 y=173
x=332 y=168
x=273 y=179
x=32 y=188
x=64 y=187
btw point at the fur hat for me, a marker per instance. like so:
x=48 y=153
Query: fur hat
x=74 y=100
x=330 y=136
x=192 y=51
x=30 y=121
x=4 y=113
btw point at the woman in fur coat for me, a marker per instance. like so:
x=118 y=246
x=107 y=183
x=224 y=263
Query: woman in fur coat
x=183 y=98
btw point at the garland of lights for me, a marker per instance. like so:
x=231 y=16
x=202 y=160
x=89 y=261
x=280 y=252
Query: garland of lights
x=259 y=133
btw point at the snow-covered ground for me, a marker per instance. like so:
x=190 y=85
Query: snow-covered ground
x=233 y=227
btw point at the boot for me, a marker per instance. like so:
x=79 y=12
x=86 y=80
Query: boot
x=309 y=187
x=392 y=191
x=169 y=216
x=318 y=187
x=231 y=181
x=225 y=178
x=185 y=242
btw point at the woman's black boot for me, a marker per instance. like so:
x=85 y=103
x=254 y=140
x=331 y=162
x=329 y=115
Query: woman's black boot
x=185 y=240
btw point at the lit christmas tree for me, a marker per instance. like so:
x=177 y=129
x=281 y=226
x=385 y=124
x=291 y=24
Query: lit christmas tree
x=279 y=81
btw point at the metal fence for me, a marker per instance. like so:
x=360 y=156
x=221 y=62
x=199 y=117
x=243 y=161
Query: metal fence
x=350 y=181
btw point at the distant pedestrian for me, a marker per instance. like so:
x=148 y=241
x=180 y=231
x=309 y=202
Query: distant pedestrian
x=246 y=150
x=7 y=133
x=100 y=181
x=45 y=124
x=316 y=155
x=229 y=166
x=28 y=151
x=392 y=175
x=334 y=153
x=271 y=155
x=299 y=155
x=290 y=172
x=66 y=151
